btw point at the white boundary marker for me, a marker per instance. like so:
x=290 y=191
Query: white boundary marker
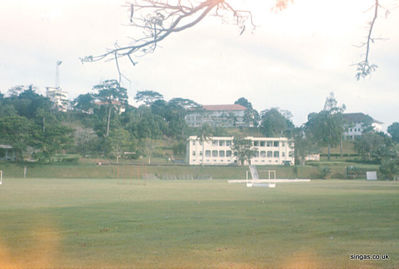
x=267 y=183
x=267 y=180
x=271 y=172
x=1 y=177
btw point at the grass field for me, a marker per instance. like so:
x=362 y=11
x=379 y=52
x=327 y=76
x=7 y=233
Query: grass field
x=168 y=172
x=120 y=223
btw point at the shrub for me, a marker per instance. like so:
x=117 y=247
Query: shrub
x=389 y=169
x=325 y=172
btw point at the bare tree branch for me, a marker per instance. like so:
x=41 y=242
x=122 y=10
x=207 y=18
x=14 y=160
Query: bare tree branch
x=364 y=68
x=117 y=67
x=160 y=18
x=157 y=19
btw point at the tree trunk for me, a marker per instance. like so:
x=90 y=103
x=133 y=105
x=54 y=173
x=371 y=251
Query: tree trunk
x=203 y=152
x=108 y=121
x=340 y=148
x=329 y=149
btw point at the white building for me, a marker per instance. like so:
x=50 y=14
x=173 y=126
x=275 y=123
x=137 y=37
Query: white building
x=7 y=153
x=356 y=123
x=58 y=97
x=218 y=116
x=312 y=157
x=218 y=151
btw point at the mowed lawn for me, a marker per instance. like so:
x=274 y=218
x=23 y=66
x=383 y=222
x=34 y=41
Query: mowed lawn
x=122 y=223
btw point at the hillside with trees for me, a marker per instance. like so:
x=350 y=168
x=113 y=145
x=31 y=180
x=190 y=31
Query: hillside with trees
x=101 y=124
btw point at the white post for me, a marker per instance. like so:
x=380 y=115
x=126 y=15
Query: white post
x=25 y=171
x=1 y=177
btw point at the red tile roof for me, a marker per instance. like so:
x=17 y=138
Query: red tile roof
x=358 y=117
x=224 y=107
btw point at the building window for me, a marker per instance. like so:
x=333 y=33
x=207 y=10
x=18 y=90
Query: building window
x=193 y=143
x=221 y=143
x=228 y=143
x=200 y=153
x=276 y=154
x=269 y=143
x=269 y=154
x=214 y=153
x=256 y=143
x=256 y=154
x=221 y=153
x=283 y=154
x=228 y=153
x=262 y=143
x=208 y=153
x=263 y=154
x=275 y=143
x=193 y=153
x=283 y=144
x=215 y=143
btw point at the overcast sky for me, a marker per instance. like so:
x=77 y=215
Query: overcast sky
x=292 y=60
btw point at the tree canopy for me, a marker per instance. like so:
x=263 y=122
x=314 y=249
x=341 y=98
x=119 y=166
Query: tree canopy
x=393 y=130
x=113 y=96
x=148 y=97
x=242 y=148
x=327 y=126
x=275 y=124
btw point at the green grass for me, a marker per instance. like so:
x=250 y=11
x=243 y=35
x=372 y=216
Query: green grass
x=348 y=147
x=84 y=170
x=120 y=223
x=142 y=171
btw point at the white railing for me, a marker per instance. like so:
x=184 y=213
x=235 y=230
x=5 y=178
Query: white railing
x=254 y=172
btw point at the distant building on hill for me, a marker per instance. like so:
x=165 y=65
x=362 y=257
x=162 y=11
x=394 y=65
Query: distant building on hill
x=312 y=157
x=356 y=123
x=219 y=116
x=58 y=97
x=218 y=151
x=7 y=153
x=116 y=104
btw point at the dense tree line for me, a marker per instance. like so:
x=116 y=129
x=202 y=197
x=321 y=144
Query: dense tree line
x=123 y=128
x=29 y=123
x=102 y=123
